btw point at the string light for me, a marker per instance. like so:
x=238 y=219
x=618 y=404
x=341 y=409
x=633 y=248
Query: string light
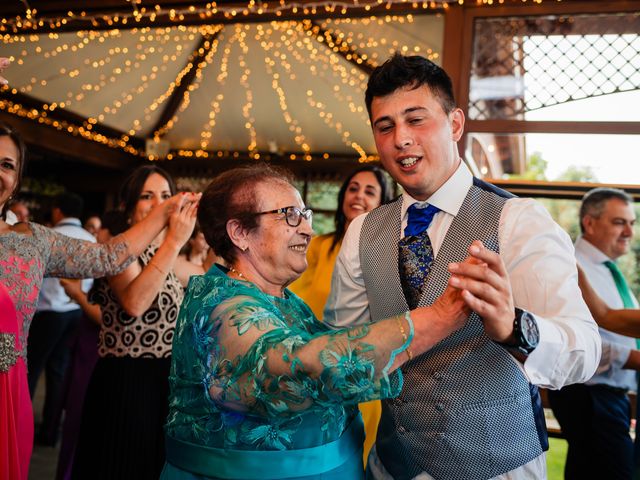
x=313 y=60
x=362 y=44
x=244 y=81
x=327 y=117
x=208 y=31
x=301 y=42
x=41 y=116
x=32 y=21
x=206 y=132
x=294 y=126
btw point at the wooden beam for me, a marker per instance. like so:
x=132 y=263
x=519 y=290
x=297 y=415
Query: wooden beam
x=564 y=190
x=526 y=126
x=70 y=117
x=340 y=47
x=68 y=145
x=177 y=97
x=112 y=14
x=107 y=11
x=334 y=166
x=452 y=47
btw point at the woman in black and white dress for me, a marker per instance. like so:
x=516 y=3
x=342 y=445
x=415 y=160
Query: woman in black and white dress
x=125 y=407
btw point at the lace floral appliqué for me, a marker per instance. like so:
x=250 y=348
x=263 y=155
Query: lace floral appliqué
x=8 y=353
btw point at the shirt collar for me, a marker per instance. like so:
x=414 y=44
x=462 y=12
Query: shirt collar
x=69 y=221
x=590 y=251
x=449 y=197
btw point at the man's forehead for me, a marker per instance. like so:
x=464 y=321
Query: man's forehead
x=405 y=97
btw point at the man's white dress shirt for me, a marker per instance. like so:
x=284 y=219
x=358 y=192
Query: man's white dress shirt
x=615 y=347
x=539 y=258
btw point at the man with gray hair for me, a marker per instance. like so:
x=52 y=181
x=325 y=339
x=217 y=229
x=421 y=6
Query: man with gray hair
x=595 y=416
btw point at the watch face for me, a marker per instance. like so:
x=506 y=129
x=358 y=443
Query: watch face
x=529 y=330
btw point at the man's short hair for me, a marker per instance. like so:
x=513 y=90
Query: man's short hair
x=70 y=204
x=414 y=71
x=594 y=201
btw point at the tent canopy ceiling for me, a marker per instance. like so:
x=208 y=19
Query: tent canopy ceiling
x=217 y=80
x=283 y=88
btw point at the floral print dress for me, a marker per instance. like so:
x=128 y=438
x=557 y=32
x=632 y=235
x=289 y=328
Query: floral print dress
x=251 y=371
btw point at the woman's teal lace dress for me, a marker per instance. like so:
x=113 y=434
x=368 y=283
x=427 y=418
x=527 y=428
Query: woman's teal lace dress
x=257 y=382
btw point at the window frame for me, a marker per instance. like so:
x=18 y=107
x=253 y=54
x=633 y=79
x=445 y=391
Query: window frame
x=457 y=61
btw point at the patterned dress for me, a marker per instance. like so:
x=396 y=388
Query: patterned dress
x=289 y=384
x=314 y=286
x=126 y=405
x=24 y=260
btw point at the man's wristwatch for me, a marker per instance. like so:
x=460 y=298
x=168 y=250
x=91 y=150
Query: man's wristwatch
x=525 y=331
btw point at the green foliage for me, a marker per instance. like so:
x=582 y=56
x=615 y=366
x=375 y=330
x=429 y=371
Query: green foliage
x=556 y=457
x=565 y=213
x=578 y=174
x=536 y=168
x=323 y=223
x=323 y=195
x=41 y=186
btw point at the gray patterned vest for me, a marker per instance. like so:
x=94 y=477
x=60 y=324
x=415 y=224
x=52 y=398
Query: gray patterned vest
x=466 y=411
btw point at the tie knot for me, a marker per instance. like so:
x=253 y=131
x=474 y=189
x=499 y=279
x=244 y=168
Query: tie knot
x=612 y=266
x=419 y=219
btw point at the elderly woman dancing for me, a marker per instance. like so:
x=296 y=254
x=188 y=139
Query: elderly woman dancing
x=260 y=389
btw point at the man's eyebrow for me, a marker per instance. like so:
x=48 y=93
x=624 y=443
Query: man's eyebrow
x=404 y=112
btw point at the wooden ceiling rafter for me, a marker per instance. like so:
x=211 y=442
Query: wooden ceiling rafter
x=198 y=55
x=102 y=17
x=68 y=116
x=69 y=146
x=338 y=164
x=346 y=51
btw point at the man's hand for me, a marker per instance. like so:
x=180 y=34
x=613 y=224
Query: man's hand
x=486 y=289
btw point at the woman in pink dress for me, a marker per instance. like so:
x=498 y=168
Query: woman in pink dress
x=28 y=252
x=16 y=427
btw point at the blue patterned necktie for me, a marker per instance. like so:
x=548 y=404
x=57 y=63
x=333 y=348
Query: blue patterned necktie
x=415 y=253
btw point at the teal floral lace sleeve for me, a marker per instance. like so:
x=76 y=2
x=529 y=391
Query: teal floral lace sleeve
x=252 y=371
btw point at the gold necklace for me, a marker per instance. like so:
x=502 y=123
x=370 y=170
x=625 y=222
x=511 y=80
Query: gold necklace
x=240 y=275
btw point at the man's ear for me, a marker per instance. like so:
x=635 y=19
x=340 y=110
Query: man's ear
x=457 y=124
x=588 y=223
x=237 y=233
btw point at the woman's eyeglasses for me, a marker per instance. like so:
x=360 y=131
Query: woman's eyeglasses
x=293 y=215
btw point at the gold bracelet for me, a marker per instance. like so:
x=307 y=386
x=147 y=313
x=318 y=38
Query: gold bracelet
x=404 y=334
x=157 y=268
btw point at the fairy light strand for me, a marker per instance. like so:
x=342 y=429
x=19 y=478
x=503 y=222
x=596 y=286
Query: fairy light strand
x=32 y=21
x=244 y=81
x=270 y=64
x=323 y=63
x=197 y=81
